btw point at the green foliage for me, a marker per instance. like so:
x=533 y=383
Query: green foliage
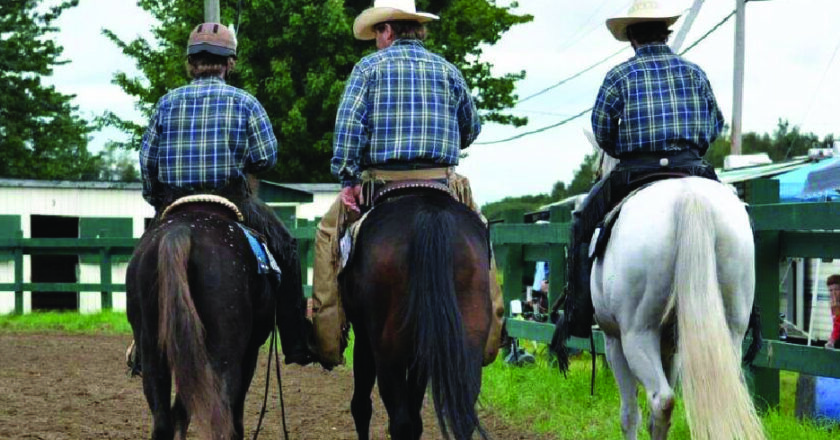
x=785 y=143
x=41 y=137
x=514 y=205
x=66 y=322
x=583 y=180
x=294 y=57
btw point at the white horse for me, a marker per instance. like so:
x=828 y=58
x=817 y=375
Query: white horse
x=673 y=294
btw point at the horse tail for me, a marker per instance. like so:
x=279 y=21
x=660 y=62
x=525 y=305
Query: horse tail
x=181 y=337
x=716 y=397
x=432 y=313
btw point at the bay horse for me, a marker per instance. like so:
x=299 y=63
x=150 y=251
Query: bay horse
x=200 y=311
x=416 y=292
x=677 y=278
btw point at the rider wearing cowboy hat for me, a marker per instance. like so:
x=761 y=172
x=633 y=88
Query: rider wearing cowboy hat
x=205 y=137
x=657 y=114
x=406 y=114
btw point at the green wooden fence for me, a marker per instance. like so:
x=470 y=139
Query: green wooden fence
x=781 y=230
x=105 y=252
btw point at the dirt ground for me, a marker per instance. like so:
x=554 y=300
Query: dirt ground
x=56 y=387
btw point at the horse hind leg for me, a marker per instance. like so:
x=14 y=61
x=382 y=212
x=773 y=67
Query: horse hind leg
x=642 y=350
x=157 y=386
x=630 y=415
x=181 y=417
x=417 y=384
x=364 y=376
x=392 y=386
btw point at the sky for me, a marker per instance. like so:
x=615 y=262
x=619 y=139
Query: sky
x=792 y=63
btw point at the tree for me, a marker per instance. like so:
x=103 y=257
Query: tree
x=785 y=143
x=41 y=137
x=295 y=55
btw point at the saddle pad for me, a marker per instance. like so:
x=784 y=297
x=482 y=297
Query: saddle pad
x=348 y=240
x=265 y=260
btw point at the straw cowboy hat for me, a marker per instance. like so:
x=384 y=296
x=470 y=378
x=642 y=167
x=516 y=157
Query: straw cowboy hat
x=387 y=10
x=640 y=12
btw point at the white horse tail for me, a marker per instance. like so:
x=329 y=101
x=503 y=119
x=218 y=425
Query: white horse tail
x=715 y=394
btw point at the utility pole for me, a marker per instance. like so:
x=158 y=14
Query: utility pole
x=738 y=83
x=689 y=20
x=211 y=11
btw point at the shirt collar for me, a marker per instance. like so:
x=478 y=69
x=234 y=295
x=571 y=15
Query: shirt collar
x=653 y=49
x=407 y=42
x=208 y=80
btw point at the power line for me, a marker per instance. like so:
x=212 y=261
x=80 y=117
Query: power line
x=565 y=80
x=819 y=85
x=714 y=28
x=572 y=118
x=564 y=121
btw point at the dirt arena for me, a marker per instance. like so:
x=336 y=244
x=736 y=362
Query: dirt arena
x=55 y=386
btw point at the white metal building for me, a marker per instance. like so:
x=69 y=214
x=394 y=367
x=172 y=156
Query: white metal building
x=61 y=209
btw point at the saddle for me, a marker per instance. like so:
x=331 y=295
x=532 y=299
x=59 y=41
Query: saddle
x=602 y=233
x=393 y=188
x=203 y=198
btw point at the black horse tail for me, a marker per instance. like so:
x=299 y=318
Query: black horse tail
x=432 y=312
x=181 y=337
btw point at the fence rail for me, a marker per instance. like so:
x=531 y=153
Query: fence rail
x=105 y=251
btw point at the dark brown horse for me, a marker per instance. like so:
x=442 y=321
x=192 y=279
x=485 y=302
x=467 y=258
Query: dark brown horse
x=200 y=312
x=417 y=294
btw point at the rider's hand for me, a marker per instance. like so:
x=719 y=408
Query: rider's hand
x=351 y=196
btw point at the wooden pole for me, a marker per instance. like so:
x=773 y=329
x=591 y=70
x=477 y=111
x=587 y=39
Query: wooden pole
x=211 y=11
x=738 y=83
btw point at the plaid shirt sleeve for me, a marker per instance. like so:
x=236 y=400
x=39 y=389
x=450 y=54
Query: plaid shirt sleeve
x=469 y=122
x=149 y=158
x=350 y=135
x=262 y=144
x=605 y=116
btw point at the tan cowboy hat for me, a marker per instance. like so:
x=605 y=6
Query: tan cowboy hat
x=387 y=10
x=640 y=12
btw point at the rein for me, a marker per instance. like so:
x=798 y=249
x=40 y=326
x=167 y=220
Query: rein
x=273 y=352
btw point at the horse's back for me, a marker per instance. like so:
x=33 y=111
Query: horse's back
x=639 y=261
x=221 y=270
x=378 y=276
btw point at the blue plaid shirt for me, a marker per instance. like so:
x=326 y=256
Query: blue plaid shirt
x=654 y=102
x=204 y=134
x=402 y=103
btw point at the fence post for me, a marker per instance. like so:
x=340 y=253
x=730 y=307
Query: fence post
x=557 y=255
x=512 y=268
x=19 y=274
x=107 y=301
x=766 y=380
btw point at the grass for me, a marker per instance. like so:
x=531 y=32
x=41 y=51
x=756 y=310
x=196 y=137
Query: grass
x=66 y=322
x=539 y=399
x=535 y=398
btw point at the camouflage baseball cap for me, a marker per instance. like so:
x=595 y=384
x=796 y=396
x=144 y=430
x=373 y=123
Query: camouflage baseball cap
x=214 y=38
